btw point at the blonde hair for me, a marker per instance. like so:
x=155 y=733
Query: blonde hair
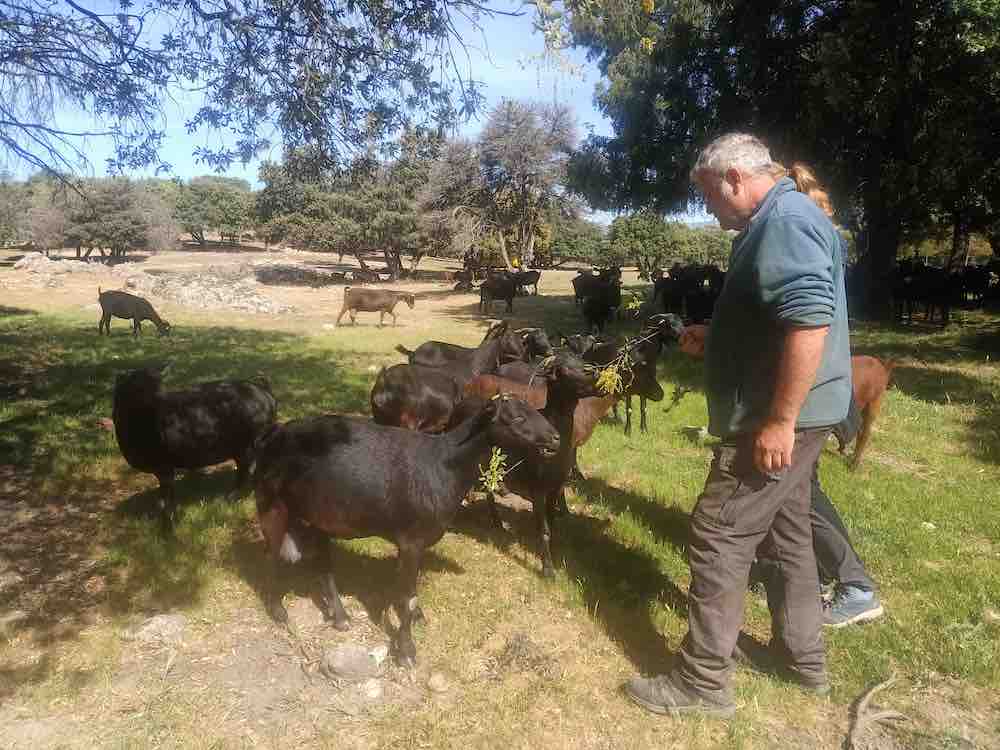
x=805 y=182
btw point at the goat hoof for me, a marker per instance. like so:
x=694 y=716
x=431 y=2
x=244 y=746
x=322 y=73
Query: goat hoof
x=343 y=624
x=278 y=613
x=406 y=655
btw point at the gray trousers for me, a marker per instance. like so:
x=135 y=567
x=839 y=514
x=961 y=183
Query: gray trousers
x=739 y=510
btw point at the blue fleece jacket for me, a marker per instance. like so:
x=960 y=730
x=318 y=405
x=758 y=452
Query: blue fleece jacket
x=786 y=270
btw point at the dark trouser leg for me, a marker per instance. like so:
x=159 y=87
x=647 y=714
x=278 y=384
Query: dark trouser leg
x=796 y=616
x=835 y=556
x=738 y=508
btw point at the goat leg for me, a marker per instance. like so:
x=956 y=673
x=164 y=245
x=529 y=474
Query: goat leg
x=334 y=607
x=642 y=414
x=167 y=503
x=545 y=537
x=273 y=594
x=628 y=414
x=407 y=605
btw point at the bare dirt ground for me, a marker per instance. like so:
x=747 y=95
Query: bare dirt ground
x=534 y=672
x=314 y=307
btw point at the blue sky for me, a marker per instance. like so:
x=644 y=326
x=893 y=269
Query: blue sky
x=504 y=57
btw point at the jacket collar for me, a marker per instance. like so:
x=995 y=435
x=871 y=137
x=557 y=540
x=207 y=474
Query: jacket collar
x=782 y=186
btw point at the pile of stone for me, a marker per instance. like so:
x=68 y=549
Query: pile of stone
x=207 y=290
x=286 y=274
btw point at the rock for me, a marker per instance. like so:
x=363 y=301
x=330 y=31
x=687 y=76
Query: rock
x=287 y=274
x=11 y=621
x=160 y=629
x=329 y=326
x=991 y=616
x=372 y=690
x=928 y=526
x=9 y=579
x=350 y=662
x=437 y=683
x=379 y=653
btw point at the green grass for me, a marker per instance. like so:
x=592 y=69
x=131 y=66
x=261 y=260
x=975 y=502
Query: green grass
x=934 y=460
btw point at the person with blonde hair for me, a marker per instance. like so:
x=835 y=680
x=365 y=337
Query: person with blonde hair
x=778 y=378
x=854 y=596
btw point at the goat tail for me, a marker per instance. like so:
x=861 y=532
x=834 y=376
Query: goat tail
x=402 y=350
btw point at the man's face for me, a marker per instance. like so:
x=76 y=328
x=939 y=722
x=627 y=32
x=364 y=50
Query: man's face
x=726 y=197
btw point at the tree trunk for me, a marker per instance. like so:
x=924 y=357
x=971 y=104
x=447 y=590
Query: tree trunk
x=503 y=251
x=881 y=243
x=393 y=263
x=960 y=240
x=528 y=257
x=199 y=236
x=993 y=236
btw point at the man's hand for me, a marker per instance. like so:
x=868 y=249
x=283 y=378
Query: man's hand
x=772 y=447
x=692 y=340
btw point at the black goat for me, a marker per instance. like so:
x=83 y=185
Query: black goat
x=442 y=354
x=644 y=351
x=536 y=342
x=381 y=301
x=350 y=478
x=161 y=431
x=585 y=283
x=567 y=381
x=497 y=286
x=128 y=307
x=527 y=278
x=421 y=398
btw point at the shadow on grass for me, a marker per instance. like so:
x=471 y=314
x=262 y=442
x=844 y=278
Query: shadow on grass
x=616 y=582
x=943 y=367
x=61 y=475
x=372 y=579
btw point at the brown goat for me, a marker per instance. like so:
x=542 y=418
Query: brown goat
x=382 y=301
x=870 y=378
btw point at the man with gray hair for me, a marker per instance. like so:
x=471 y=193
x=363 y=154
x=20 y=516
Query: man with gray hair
x=778 y=377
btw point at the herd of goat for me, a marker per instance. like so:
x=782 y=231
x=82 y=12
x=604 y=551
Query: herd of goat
x=403 y=474
x=436 y=419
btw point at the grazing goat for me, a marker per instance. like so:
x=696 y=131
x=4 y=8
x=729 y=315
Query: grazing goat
x=349 y=478
x=381 y=301
x=442 y=354
x=869 y=380
x=497 y=286
x=421 y=398
x=161 y=431
x=129 y=307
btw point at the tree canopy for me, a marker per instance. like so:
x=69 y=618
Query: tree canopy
x=328 y=74
x=896 y=104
